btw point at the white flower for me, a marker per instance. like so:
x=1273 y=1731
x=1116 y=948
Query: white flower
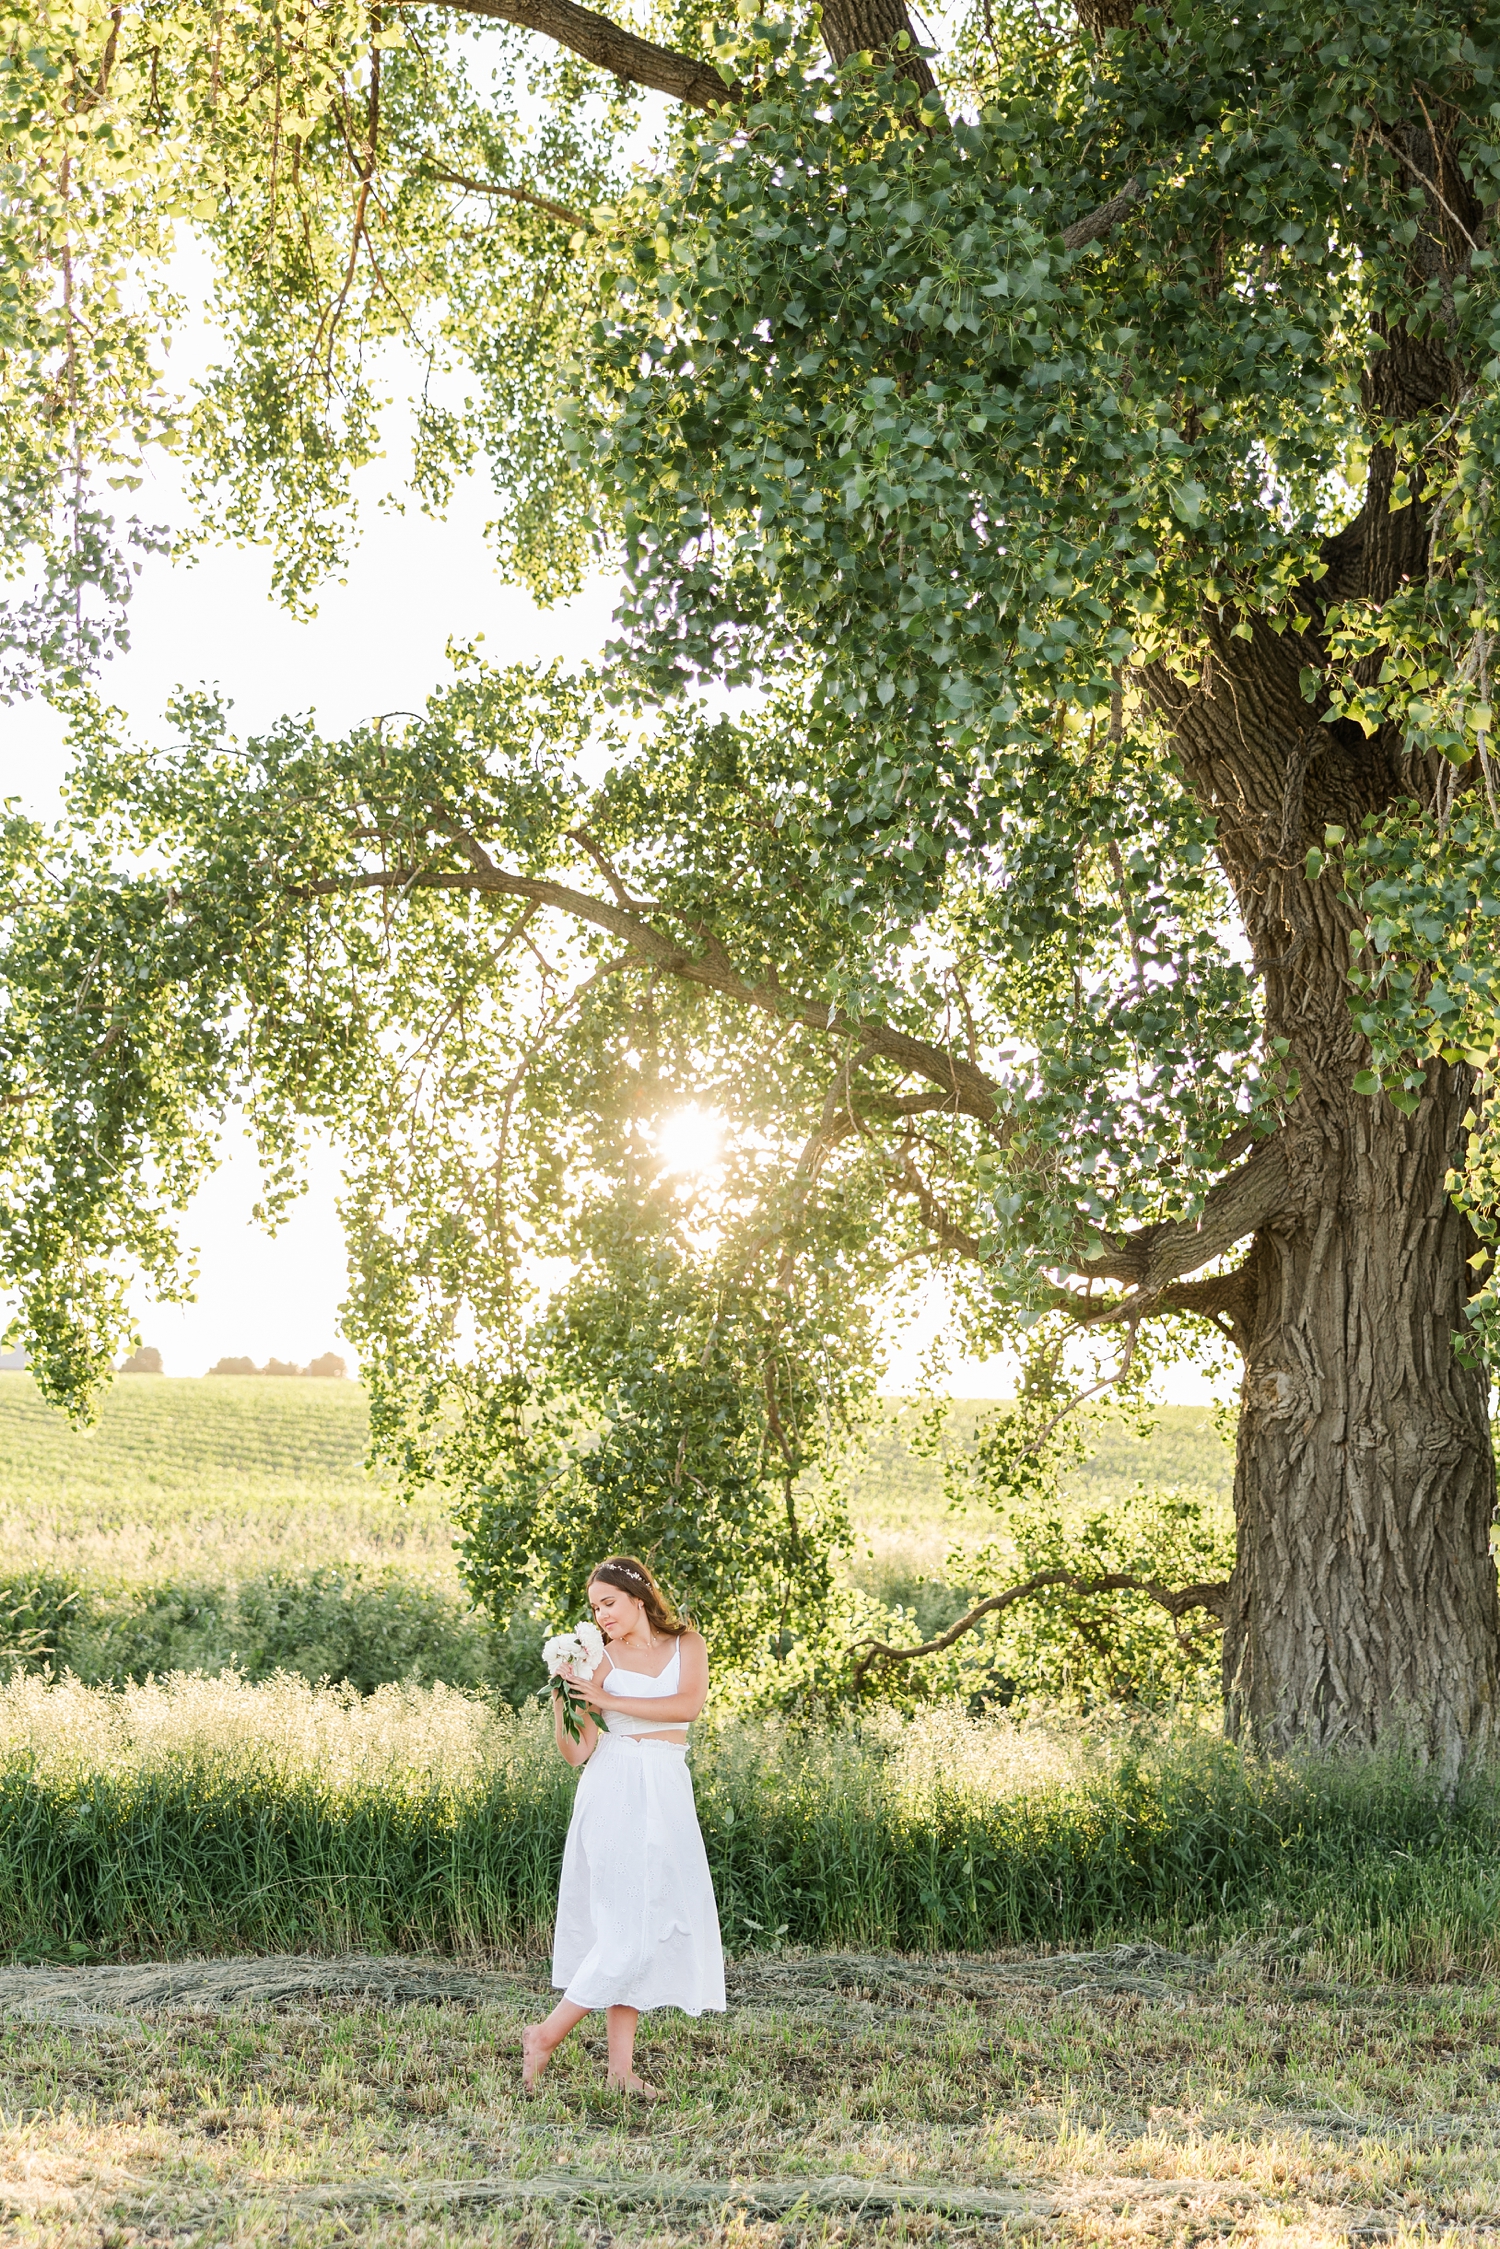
x=574 y=1655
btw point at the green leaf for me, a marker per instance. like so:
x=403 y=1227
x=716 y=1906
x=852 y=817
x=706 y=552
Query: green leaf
x=1189 y=500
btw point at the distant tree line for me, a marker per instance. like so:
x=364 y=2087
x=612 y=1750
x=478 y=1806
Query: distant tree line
x=329 y=1364
x=148 y=1360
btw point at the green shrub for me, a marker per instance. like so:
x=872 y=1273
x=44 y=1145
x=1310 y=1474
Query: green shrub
x=1062 y=1648
x=38 y=1611
x=1067 y=1647
x=363 y=1628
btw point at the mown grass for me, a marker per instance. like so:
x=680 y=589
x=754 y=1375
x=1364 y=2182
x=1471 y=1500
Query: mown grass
x=1248 y=2112
x=211 y=1815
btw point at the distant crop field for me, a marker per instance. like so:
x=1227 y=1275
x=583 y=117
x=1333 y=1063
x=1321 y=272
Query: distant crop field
x=905 y=1533
x=228 y=1476
x=160 y=1438
x=209 y=1478
x=899 y=1487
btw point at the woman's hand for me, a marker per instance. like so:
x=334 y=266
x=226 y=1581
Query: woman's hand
x=673 y=1710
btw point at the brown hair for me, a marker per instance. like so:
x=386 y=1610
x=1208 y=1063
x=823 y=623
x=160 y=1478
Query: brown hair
x=628 y=1575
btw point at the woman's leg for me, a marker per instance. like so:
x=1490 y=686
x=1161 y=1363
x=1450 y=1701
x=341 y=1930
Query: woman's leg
x=539 y=2039
x=622 y=2022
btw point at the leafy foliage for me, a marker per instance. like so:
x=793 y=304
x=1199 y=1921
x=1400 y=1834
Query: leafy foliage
x=498 y=1105
x=363 y=194
x=858 y=397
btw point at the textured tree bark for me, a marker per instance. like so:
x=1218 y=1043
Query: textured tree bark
x=852 y=27
x=1363 y=1600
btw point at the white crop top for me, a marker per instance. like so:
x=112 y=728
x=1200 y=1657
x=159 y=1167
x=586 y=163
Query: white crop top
x=641 y=1683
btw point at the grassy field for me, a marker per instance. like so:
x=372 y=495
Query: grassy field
x=991 y=1979
x=176 y=1469
x=207 y=1479
x=233 y=1474
x=1257 y=2078
x=1078 y=2103
x=905 y=1534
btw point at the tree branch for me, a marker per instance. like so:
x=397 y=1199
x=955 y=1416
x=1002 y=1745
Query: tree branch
x=969 y=1092
x=1148 y=1261
x=1177 y=1603
x=639 y=61
x=1097 y=223
x=544 y=203
x=1158 y=1255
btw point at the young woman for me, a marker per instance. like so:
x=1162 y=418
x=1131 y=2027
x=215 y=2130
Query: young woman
x=637 y=1926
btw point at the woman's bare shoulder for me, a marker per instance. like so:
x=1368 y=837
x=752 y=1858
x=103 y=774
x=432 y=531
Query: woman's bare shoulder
x=691 y=1637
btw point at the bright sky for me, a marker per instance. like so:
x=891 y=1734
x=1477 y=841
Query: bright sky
x=377 y=644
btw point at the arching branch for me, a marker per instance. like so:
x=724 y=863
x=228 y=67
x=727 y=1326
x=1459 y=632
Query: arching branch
x=850 y=27
x=1150 y=1261
x=1177 y=1602
x=640 y=62
x=967 y=1091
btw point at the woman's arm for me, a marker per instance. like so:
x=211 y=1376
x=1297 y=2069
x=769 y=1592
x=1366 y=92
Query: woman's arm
x=691 y=1695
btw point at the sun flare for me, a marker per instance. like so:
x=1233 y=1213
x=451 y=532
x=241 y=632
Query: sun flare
x=691 y=1139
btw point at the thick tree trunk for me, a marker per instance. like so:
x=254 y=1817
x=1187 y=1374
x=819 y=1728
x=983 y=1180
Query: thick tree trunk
x=1363 y=1601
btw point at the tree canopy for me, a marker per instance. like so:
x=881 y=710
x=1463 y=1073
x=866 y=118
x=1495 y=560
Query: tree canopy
x=1073 y=448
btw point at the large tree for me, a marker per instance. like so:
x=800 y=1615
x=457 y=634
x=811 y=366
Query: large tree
x=1081 y=443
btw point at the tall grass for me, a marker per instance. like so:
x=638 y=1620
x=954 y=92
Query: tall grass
x=199 y=1814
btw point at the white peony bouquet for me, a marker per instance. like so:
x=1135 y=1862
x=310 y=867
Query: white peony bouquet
x=574 y=1656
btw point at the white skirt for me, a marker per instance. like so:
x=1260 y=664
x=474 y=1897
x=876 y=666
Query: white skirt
x=637 y=1925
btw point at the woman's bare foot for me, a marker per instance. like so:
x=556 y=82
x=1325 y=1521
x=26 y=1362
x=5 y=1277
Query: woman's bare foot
x=634 y=2084
x=534 y=2055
